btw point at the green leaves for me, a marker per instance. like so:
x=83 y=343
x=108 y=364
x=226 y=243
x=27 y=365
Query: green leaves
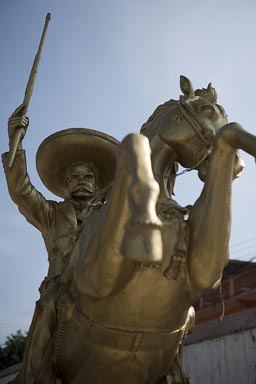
x=12 y=351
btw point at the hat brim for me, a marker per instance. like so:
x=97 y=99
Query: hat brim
x=72 y=145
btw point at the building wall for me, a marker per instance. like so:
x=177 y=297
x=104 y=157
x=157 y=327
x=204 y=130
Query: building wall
x=229 y=359
x=8 y=374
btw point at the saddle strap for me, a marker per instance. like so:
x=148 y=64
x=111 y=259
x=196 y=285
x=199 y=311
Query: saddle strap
x=127 y=340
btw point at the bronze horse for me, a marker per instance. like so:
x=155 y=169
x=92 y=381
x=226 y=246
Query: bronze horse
x=142 y=260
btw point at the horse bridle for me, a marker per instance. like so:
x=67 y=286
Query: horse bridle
x=205 y=134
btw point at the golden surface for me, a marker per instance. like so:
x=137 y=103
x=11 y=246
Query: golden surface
x=123 y=274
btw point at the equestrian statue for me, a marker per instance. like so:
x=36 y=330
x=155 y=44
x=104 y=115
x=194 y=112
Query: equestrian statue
x=126 y=261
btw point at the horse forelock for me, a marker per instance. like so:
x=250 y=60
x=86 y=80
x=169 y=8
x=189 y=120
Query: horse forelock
x=208 y=93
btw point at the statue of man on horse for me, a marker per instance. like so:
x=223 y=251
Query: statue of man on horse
x=127 y=263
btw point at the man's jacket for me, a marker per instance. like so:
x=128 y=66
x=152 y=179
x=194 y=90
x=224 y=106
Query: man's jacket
x=56 y=221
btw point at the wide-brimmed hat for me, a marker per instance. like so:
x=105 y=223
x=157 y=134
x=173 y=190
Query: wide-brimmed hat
x=72 y=145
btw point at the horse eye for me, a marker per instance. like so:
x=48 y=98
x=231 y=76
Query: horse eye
x=208 y=110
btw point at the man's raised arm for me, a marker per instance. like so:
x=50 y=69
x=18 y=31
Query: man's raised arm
x=37 y=210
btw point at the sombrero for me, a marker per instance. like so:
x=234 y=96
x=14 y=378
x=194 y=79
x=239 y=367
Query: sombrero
x=72 y=145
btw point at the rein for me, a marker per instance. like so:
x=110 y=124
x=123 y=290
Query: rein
x=194 y=166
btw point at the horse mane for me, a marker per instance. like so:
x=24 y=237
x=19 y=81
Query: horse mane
x=209 y=95
x=148 y=126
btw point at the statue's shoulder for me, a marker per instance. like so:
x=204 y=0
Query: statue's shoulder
x=63 y=206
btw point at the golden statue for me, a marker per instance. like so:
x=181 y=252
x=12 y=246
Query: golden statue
x=126 y=261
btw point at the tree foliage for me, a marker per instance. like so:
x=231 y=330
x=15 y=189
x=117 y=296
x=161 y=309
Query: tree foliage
x=12 y=351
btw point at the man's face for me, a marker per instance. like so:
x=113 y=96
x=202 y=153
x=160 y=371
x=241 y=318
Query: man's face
x=80 y=181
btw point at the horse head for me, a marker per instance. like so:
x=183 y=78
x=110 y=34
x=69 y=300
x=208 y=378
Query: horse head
x=187 y=126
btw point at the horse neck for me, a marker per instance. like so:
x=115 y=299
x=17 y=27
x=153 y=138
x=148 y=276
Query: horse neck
x=162 y=159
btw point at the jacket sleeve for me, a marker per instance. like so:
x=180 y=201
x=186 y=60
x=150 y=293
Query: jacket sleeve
x=37 y=210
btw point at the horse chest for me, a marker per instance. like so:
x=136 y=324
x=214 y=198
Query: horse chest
x=149 y=302
x=149 y=298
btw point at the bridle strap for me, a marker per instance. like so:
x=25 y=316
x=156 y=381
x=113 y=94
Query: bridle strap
x=188 y=113
x=200 y=129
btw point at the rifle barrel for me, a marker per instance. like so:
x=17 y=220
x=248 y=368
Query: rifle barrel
x=28 y=92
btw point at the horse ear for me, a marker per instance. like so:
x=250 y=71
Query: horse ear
x=186 y=87
x=212 y=94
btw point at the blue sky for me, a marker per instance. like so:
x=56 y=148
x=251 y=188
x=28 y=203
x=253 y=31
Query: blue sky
x=106 y=65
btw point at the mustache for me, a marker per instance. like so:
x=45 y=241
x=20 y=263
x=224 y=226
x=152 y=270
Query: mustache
x=86 y=188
